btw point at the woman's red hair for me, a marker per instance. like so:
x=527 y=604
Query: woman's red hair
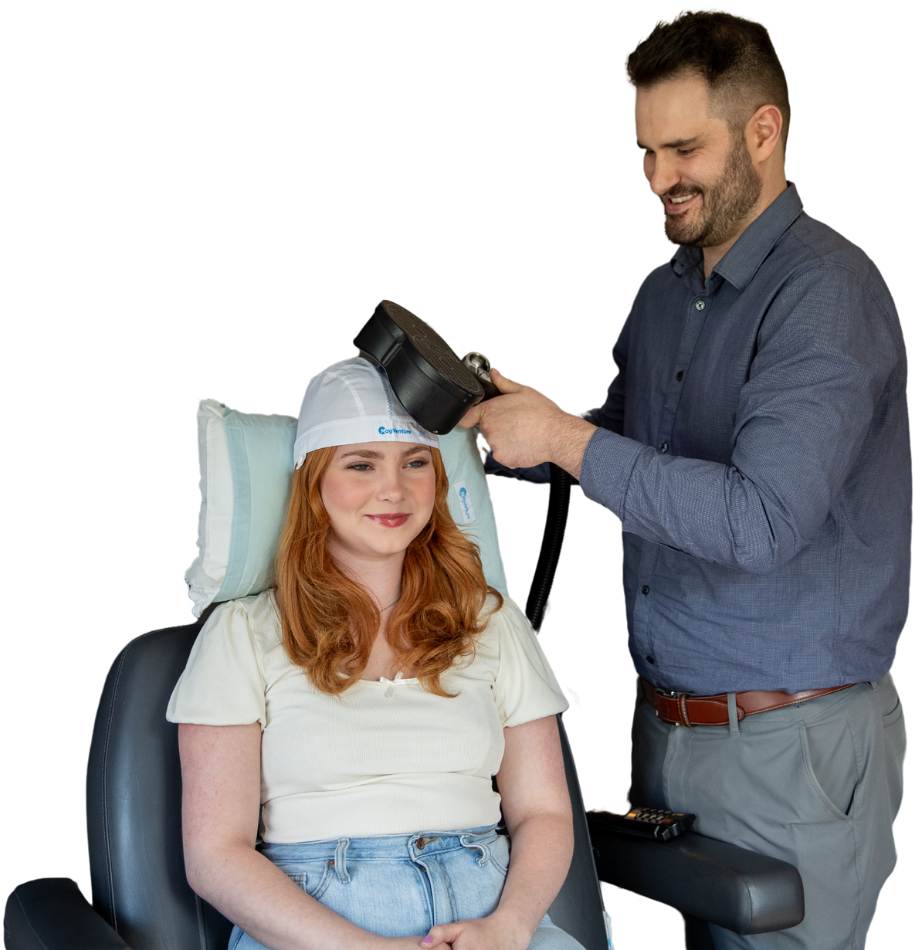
x=330 y=621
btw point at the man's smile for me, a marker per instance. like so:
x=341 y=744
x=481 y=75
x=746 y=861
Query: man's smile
x=677 y=204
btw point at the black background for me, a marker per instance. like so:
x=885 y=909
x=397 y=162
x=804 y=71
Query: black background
x=240 y=240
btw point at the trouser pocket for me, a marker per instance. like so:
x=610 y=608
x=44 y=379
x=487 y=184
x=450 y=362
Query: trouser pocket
x=894 y=745
x=831 y=763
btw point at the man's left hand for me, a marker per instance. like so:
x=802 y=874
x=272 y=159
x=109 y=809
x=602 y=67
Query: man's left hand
x=524 y=428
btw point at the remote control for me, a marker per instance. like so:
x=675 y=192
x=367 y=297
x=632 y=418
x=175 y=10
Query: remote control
x=645 y=822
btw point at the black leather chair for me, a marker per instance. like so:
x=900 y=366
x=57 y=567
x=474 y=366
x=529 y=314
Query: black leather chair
x=141 y=899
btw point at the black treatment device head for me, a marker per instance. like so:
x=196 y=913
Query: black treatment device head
x=427 y=376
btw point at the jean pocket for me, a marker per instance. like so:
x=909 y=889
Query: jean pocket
x=499 y=853
x=314 y=877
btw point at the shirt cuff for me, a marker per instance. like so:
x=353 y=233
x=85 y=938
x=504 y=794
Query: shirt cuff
x=606 y=469
x=536 y=473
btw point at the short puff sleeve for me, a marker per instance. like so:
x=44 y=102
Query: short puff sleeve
x=525 y=687
x=223 y=682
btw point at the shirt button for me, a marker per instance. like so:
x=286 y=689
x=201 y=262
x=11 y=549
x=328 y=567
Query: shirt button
x=646 y=589
x=679 y=375
x=700 y=305
x=664 y=447
x=650 y=659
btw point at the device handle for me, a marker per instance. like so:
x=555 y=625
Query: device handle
x=478 y=363
x=479 y=366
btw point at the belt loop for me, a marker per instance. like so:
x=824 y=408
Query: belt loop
x=467 y=841
x=734 y=728
x=684 y=714
x=340 y=861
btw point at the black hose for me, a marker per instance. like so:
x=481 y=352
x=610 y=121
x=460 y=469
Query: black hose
x=551 y=547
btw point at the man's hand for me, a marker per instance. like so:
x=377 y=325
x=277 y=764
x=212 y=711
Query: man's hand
x=524 y=428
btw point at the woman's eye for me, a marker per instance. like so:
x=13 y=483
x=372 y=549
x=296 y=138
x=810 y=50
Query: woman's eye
x=365 y=466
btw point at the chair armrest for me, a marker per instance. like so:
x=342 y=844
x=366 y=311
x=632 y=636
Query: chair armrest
x=52 y=914
x=739 y=890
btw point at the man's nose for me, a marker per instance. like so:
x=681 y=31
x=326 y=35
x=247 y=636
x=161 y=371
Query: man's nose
x=662 y=173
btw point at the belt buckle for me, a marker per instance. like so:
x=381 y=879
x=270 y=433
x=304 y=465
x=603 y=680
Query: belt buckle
x=669 y=694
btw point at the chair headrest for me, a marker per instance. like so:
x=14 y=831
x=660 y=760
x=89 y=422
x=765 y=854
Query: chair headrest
x=245 y=478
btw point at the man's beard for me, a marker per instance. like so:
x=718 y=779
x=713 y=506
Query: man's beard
x=725 y=204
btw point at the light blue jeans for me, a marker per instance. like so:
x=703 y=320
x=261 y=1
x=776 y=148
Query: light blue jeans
x=401 y=885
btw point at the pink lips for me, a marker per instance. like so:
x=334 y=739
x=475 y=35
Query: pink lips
x=389 y=521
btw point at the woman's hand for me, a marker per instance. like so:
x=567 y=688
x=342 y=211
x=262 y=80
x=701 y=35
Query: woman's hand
x=400 y=943
x=487 y=933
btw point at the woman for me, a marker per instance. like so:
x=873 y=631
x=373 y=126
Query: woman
x=338 y=735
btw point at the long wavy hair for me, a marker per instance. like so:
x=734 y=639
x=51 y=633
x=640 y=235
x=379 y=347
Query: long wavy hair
x=330 y=621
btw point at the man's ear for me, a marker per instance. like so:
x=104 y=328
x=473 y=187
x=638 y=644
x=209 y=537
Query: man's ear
x=764 y=132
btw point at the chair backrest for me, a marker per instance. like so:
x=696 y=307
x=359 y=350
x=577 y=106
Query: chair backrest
x=134 y=814
x=133 y=804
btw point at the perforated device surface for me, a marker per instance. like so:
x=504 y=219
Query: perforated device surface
x=432 y=348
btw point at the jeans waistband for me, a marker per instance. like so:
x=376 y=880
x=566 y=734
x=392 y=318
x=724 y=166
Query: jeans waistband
x=378 y=846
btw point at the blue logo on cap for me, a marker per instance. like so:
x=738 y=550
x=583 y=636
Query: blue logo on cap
x=383 y=431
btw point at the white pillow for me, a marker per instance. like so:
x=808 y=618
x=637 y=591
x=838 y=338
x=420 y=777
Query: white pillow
x=245 y=476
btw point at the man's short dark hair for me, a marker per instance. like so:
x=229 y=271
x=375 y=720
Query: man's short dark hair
x=734 y=56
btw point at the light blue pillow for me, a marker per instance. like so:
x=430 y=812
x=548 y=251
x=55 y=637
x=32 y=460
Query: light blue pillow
x=245 y=477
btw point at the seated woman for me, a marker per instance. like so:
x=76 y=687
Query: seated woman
x=339 y=733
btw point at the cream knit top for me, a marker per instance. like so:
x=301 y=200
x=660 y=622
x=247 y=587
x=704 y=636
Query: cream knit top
x=384 y=757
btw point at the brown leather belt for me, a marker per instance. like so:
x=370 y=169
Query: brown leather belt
x=684 y=710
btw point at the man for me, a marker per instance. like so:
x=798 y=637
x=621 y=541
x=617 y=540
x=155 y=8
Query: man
x=755 y=446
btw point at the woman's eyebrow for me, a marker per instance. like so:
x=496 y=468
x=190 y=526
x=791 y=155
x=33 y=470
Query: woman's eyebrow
x=372 y=454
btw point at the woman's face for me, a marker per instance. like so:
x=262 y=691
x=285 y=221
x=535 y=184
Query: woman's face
x=379 y=496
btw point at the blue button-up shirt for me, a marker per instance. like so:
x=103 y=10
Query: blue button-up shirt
x=755 y=445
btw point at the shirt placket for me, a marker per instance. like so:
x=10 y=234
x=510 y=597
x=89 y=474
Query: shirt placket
x=696 y=311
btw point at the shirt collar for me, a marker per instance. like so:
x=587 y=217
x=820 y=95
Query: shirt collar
x=752 y=247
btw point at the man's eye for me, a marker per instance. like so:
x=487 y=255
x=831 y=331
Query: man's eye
x=685 y=151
